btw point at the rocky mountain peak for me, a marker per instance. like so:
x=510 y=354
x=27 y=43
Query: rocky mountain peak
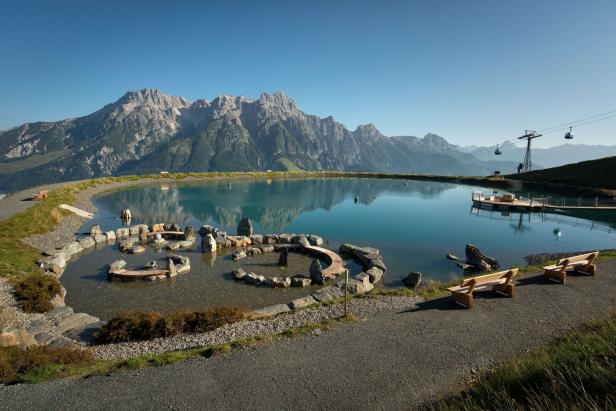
x=368 y=130
x=435 y=140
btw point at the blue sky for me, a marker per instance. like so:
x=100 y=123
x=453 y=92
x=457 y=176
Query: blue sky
x=475 y=72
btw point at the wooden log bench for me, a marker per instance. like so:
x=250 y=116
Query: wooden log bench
x=500 y=282
x=580 y=264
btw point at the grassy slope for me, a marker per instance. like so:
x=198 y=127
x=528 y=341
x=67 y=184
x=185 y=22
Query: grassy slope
x=594 y=173
x=31 y=162
x=576 y=371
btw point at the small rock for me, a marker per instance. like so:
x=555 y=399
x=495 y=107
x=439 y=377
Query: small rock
x=122 y=232
x=412 y=279
x=137 y=249
x=238 y=274
x=452 y=257
x=255 y=279
x=117 y=265
x=315 y=240
x=327 y=293
x=238 y=255
x=376 y=274
x=111 y=235
x=100 y=238
x=206 y=229
x=256 y=239
x=285 y=238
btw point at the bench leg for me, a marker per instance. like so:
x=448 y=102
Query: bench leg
x=560 y=276
x=505 y=289
x=587 y=269
x=463 y=299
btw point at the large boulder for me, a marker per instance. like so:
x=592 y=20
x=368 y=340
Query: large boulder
x=55 y=264
x=327 y=294
x=244 y=228
x=256 y=239
x=270 y=239
x=315 y=240
x=70 y=249
x=126 y=244
x=279 y=282
x=302 y=302
x=285 y=238
x=356 y=286
x=117 y=265
x=478 y=260
x=189 y=233
x=283 y=260
x=12 y=333
x=375 y=274
x=96 y=229
x=111 y=235
x=272 y=310
x=122 y=232
x=303 y=241
x=300 y=282
x=316 y=272
x=238 y=255
x=86 y=242
x=206 y=229
x=100 y=238
x=255 y=279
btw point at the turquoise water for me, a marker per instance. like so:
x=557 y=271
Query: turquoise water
x=414 y=223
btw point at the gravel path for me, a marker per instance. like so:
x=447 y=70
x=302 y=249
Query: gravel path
x=392 y=359
x=246 y=329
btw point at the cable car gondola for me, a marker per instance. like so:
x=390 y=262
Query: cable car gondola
x=498 y=151
x=569 y=134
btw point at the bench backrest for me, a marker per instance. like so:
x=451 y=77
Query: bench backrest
x=489 y=278
x=590 y=257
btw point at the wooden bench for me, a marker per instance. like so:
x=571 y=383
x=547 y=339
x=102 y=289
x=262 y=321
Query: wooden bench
x=42 y=195
x=579 y=263
x=500 y=282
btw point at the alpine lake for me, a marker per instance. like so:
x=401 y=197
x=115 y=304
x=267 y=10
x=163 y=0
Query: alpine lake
x=414 y=224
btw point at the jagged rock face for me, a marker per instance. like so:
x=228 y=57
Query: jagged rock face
x=148 y=131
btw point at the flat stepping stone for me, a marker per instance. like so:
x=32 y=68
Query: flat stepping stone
x=452 y=257
x=464 y=266
x=335 y=266
x=74 y=321
x=86 y=333
x=272 y=310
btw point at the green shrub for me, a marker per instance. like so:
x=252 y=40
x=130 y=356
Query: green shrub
x=34 y=292
x=147 y=325
x=17 y=365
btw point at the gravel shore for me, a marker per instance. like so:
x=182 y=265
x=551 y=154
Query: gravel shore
x=358 y=307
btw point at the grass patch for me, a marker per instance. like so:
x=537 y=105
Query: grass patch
x=38 y=364
x=147 y=325
x=576 y=371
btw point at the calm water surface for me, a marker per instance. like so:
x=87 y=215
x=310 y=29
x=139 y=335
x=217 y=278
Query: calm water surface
x=414 y=224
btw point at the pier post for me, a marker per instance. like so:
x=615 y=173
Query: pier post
x=579 y=201
x=346 y=291
x=596 y=202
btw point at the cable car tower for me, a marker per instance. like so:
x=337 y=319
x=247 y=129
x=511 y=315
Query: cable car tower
x=529 y=135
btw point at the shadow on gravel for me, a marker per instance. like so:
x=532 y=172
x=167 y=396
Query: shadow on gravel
x=443 y=303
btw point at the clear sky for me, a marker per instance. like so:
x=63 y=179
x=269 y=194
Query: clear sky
x=475 y=72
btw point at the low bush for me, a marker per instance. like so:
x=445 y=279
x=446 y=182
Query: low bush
x=34 y=292
x=17 y=365
x=146 y=325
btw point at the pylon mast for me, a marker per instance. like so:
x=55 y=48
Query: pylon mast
x=529 y=135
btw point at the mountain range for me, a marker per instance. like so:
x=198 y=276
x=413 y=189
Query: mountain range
x=148 y=131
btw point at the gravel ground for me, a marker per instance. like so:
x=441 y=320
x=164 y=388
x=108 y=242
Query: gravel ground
x=245 y=329
x=392 y=359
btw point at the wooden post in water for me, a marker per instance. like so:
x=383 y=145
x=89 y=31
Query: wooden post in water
x=346 y=291
x=596 y=202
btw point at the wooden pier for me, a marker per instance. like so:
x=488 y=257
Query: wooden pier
x=510 y=202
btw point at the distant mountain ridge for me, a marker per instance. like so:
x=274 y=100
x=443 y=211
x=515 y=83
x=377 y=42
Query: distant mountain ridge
x=149 y=131
x=544 y=157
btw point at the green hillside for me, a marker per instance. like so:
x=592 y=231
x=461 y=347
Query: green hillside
x=599 y=173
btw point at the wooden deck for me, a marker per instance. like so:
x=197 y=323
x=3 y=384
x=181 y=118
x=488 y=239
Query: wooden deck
x=496 y=202
x=335 y=266
x=122 y=273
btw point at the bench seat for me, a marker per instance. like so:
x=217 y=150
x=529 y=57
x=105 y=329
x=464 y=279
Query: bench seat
x=583 y=264
x=501 y=282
